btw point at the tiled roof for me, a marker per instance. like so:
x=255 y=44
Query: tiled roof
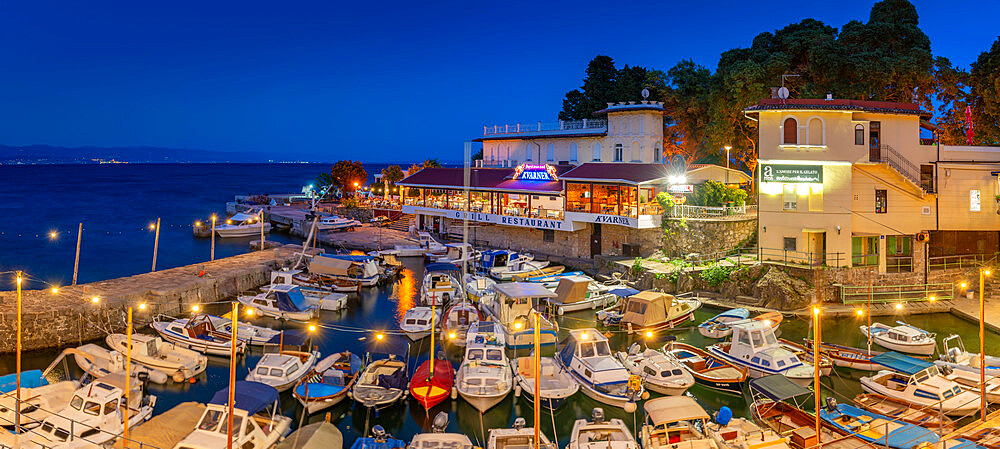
x=499 y=179
x=838 y=104
x=629 y=172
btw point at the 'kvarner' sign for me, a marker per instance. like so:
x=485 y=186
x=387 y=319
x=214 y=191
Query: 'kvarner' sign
x=791 y=173
x=524 y=222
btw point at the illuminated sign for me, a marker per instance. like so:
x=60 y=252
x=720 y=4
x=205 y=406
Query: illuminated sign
x=524 y=222
x=681 y=188
x=535 y=172
x=791 y=173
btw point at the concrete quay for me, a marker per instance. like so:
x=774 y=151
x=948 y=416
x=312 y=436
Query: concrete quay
x=71 y=318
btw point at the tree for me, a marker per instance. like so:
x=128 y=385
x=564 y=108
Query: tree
x=392 y=174
x=984 y=96
x=346 y=174
x=431 y=163
x=596 y=92
x=323 y=180
x=478 y=155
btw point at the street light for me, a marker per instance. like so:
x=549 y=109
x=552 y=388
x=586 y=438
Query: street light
x=727 y=166
x=983 y=272
x=156 y=241
x=817 y=358
x=213 y=237
x=128 y=363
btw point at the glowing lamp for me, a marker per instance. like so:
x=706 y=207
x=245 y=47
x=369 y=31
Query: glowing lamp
x=932 y=299
x=55 y=290
x=197 y=223
x=379 y=336
x=250 y=312
x=815 y=310
x=962 y=285
x=95 y=299
x=142 y=306
x=312 y=328
x=767 y=322
x=19 y=280
x=229 y=221
x=152 y=226
x=986 y=272
x=649 y=334
x=899 y=306
x=584 y=336
x=860 y=312
x=195 y=308
x=52 y=235
x=518 y=325
x=452 y=335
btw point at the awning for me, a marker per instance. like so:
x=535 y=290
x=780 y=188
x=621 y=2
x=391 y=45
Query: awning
x=674 y=408
x=440 y=266
x=330 y=266
x=777 y=387
x=249 y=396
x=523 y=290
x=623 y=292
x=318 y=435
x=902 y=363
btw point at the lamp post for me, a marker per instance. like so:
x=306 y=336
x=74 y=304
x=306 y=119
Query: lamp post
x=983 y=272
x=156 y=242
x=76 y=261
x=128 y=364
x=727 y=147
x=232 y=376
x=538 y=361
x=213 y=237
x=262 y=229
x=17 y=368
x=816 y=363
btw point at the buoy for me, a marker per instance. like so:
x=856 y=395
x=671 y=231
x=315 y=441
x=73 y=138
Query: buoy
x=178 y=377
x=629 y=407
x=517 y=391
x=645 y=395
x=454 y=393
x=191 y=380
x=201 y=273
x=561 y=311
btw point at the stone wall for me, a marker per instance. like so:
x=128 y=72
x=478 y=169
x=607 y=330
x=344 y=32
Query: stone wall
x=703 y=236
x=570 y=245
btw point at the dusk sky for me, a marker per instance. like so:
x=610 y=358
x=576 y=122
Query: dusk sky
x=376 y=80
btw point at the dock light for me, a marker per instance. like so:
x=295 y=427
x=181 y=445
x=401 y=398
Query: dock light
x=312 y=328
x=142 y=306
x=518 y=325
x=55 y=290
x=214 y=217
x=815 y=310
x=379 y=336
x=95 y=299
x=250 y=312
x=229 y=221
x=767 y=322
x=152 y=226
x=932 y=299
x=963 y=285
x=53 y=234
x=860 y=312
x=452 y=335
x=195 y=308
x=649 y=334
x=197 y=223
x=986 y=271
x=899 y=306
x=584 y=336
x=355 y=185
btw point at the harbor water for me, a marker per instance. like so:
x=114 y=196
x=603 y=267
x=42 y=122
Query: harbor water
x=131 y=198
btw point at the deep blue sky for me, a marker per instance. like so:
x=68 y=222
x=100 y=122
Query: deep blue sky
x=379 y=80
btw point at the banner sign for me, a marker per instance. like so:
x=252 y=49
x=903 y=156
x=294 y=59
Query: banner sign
x=791 y=173
x=535 y=172
x=681 y=188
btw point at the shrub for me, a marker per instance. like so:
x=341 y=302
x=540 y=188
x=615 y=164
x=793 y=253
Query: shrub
x=637 y=266
x=715 y=274
x=712 y=193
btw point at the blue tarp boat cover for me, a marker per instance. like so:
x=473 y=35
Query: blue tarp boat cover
x=29 y=379
x=250 y=396
x=349 y=257
x=623 y=292
x=440 y=266
x=289 y=338
x=777 y=387
x=395 y=380
x=290 y=301
x=905 y=436
x=902 y=363
x=373 y=443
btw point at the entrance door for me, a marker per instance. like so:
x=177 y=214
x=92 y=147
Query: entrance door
x=595 y=240
x=816 y=247
x=874 y=141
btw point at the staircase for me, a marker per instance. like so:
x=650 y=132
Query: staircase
x=402 y=224
x=902 y=166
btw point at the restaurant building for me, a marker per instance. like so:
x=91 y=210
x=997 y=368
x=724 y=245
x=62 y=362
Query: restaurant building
x=852 y=183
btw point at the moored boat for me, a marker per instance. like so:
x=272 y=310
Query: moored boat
x=484 y=378
x=154 y=353
x=754 y=347
x=243 y=224
x=707 y=370
x=546 y=271
x=511 y=305
x=919 y=382
x=587 y=357
x=902 y=338
x=432 y=382
x=441 y=285
x=379 y=439
x=741 y=433
x=877 y=429
x=659 y=373
x=257 y=419
x=601 y=433
x=556 y=383
x=384 y=379
x=517 y=437
x=320 y=434
x=197 y=333
x=456 y=322
x=954 y=356
x=806 y=354
x=846 y=356
x=574 y=293
x=904 y=411
x=329 y=382
x=39 y=397
x=651 y=311
x=675 y=422
x=284 y=302
x=287 y=358
x=418 y=321
x=437 y=438
x=716 y=327
x=99 y=361
x=359 y=268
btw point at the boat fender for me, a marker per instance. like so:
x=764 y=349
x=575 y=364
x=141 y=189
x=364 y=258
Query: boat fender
x=644 y=395
x=560 y=311
x=723 y=416
x=831 y=405
x=178 y=377
x=517 y=391
x=630 y=328
x=629 y=407
x=454 y=393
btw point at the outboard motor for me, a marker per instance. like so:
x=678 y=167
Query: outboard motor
x=519 y=423
x=723 y=416
x=440 y=422
x=831 y=405
x=379 y=433
x=597 y=415
x=634 y=349
x=143 y=378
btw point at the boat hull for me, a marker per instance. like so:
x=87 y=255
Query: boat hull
x=483 y=402
x=223 y=349
x=923 y=348
x=756 y=371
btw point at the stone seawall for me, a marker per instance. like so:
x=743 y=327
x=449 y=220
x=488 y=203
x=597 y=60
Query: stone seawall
x=71 y=318
x=706 y=237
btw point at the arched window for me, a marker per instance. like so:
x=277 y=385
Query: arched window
x=657 y=153
x=572 y=151
x=550 y=152
x=528 y=150
x=815 y=131
x=791 y=132
x=635 y=151
x=618 y=152
x=859 y=134
x=642 y=124
x=596 y=149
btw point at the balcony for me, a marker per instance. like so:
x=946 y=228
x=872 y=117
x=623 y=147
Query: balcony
x=572 y=126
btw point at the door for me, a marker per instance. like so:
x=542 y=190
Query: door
x=595 y=240
x=874 y=141
x=816 y=247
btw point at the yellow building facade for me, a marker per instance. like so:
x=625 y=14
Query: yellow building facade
x=851 y=183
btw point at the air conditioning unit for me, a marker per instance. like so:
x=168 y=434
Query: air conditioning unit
x=923 y=237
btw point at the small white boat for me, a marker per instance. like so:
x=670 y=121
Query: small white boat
x=243 y=224
x=455 y=253
x=322 y=299
x=154 y=353
x=382 y=383
x=650 y=311
x=901 y=338
x=920 y=383
x=287 y=359
x=197 y=333
x=425 y=244
x=556 y=383
x=517 y=437
x=315 y=283
x=476 y=286
x=336 y=223
x=257 y=419
x=437 y=438
x=586 y=355
x=456 y=322
x=416 y=322
x=484 y=378
x=754 y=347
x=575 y=293
x=717 y=326
x=39 y=398
x=320 y=434
x=601 y=433
x=329 y=383
x=520 y=267
x=511 y=305
x=441 y=284
x=675 y=422
x=659 y=373
x=284 y=302
x=364 y=268
x=955 y=356
x=741 y=433
x=94 y=415
x=99 y=361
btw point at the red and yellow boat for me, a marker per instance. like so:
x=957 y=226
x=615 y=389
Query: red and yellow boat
x=432 y=382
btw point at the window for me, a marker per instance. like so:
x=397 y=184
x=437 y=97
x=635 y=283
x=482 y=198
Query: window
x=790 y=198
x=815 y=131
x=816 y=198
x=791 y=132
x=657 y=153
x=781 y=363
x=635 y=152
x=975 y=201
x=880 y=200
x=596 y=150
x=527 y=152
x=587 y=350
x=649 y=371
x=548 y=235
x=572 y=151
x=110 y=407
x=789 y=243
x=618 y=152
x=859 y=134
x=550 y=152
x=927 y=177
x=864 y=251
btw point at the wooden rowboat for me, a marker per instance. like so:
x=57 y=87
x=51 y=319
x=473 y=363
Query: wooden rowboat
x=707 y=370
x=847 y=356
x=904 y=411
x=806 y=355
x=541 y=272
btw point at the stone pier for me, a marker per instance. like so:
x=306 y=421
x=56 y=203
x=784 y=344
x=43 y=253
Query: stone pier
x=70 y=317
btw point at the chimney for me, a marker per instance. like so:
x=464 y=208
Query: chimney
x=829 y=96
x=774 y=93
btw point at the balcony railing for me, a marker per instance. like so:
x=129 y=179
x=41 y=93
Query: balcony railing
x=562 y=125
x=709 y=212
x=880 y=294
x=960 y=261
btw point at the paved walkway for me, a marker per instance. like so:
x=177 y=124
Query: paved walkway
x=968 y=309
x=367 y=238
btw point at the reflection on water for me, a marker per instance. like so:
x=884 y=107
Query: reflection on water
x=380 y=308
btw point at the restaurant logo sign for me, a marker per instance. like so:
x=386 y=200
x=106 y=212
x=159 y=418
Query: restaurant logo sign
x=535 y=172
x=616 y=219
x=524 y=222
x=791 y=173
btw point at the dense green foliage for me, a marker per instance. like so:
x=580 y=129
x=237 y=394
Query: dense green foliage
x=344 y=174
x=716 y=274
x=604 y=83
x=984 y=95
x=712 y=193
x=392 y=174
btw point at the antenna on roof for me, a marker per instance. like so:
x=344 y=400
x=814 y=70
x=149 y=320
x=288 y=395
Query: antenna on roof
x=783 y=91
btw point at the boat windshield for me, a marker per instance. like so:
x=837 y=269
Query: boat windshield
x=211 y=420
x=76 y=403
x=602 y=348
x=494 y=355
x=237 y=420
x=474 y=354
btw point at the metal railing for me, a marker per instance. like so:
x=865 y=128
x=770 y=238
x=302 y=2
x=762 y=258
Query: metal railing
x=732 y=212
x=898 y=264
x=881 y=294
x=959 y=261
x=805 y=258
x=562 y=125
x=904 y=166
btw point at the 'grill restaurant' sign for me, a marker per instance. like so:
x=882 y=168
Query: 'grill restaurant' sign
x=791 y=173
